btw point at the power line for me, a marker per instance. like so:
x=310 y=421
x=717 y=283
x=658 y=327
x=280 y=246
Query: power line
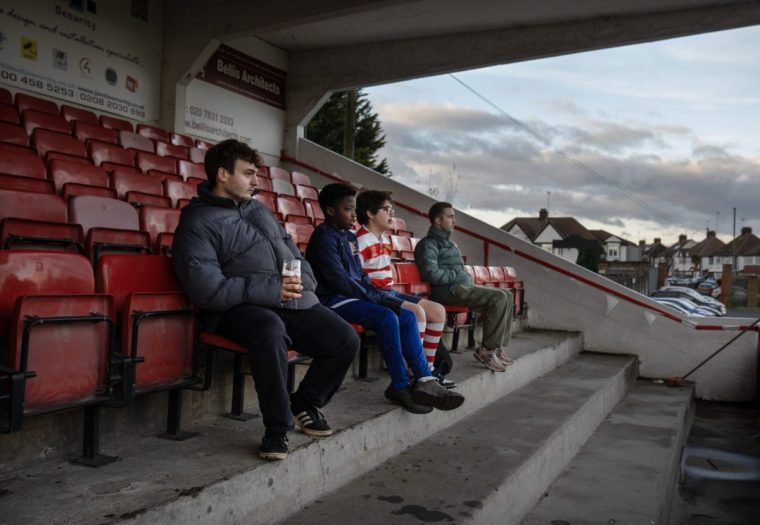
x=569 y=158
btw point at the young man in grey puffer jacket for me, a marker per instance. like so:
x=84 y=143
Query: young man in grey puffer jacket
x=228 y=253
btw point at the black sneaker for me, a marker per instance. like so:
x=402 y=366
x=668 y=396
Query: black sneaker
x=432 y=394
x=403 y=398
x=274 y=446
x=445 y=383
x=310 y=420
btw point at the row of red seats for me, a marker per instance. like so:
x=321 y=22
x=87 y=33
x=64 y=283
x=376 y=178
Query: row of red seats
x=33 y=112
x=59 y=318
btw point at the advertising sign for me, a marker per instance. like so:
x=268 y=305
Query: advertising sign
x=105 y=54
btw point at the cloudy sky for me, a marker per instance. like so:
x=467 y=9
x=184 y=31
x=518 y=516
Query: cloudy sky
x=675 y=124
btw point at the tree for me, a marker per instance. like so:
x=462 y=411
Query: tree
x=328 y=129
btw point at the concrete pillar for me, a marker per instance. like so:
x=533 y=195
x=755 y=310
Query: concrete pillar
x=751 y=290
x=726 y=282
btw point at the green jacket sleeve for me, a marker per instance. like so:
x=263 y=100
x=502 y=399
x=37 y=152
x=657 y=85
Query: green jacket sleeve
x=426 y=255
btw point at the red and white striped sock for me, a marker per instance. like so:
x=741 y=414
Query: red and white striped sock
x=430 y=341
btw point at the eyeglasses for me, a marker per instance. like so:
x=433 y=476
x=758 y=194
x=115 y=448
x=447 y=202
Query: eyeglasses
x=388 y=209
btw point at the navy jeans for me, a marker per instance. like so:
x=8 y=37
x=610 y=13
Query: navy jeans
x=398 y=337
x=269 y=333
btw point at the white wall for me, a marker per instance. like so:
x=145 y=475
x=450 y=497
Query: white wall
x=609 y=319
x=216 y=113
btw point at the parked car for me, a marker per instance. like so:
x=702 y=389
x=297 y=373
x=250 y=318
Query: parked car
x=738 y=295
x=694 y=296
x=707 y=286
x=677 y=281
x=686 y=306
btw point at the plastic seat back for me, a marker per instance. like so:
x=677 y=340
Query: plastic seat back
x=301 y=234
x=85 y=131
x=13 y=134
x=300 y=178
x=101 y=152
x=98 y=212
x=5 y=96
x=159 y=223
x=32 y=205
x=399 y=227
x=45 y=141
x=28 y=102
x=409 y=276
x=136 y=142
x=149 y=161
x=283 y=187
x=28 y=234
x=263 y=183
x=482 y=276
x=202 y=144
x=177 y=190
x=268 y=199
x=188 y=169
x=181 y=140
x=22 y=165
x=164 y=149
x=314 y=211
x=196 y=155
x=70 y=359
x=65 y=171
x=125 y=182
x=9 y=114
x=279 y=173
x=116 y=123
x=14 y=182
x=142 y=284
x=153 y=133
x=290 y=206
x=72 y=114
x=32 y=120
x=306 y=192
x=403 y=247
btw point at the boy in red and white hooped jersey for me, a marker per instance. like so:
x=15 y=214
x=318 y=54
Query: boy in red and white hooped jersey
x=374 y=210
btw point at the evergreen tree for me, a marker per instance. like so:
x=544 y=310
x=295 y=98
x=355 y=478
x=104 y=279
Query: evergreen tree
x=327 y=128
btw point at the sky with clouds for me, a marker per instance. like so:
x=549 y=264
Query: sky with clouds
x=674 y=124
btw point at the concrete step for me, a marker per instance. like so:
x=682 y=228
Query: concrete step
x=494 y=465
x=217 y=477
x=627 y=473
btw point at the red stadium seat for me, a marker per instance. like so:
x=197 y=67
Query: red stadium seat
x=60 y=335
x=65 y=171
x=138 y=189
x=5 y=96
x=409 y=276
x=109 y=226
x=51 y=155
x=78 y=114
x=279 y=173
x=32 y=120
x=197 y=155
x=188 y=169
x=136 y=142
x=157 y=329
x=162 y=175
x=85 y=131
x=268 y=199
x=201 y=144
x=292 y=209
x=45 y=141
x=164 y=149
x=72 y=189
x=399 y=227
x=263 y=183
x=14 y=182
x=149 y=161
x=306 y=192
x=116 y=123
x=32 y=205
x=160 y=224
x=283 y=187
x=26 y=102
x=13 y=134
x=29 y=234
x=153 y=133
x=181 y=140
x=177 y=190
x=9 y=114
x=263 y=171
x=483 y=276
x=300 y=178
x=22 y=165
x=402 y=246
x=301 y=234
x=314 y=211
x=101 y=152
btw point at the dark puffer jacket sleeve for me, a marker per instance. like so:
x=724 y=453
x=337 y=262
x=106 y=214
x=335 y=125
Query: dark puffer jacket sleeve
x=197 y=267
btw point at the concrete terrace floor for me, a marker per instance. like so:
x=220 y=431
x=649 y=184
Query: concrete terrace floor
x=722 y=427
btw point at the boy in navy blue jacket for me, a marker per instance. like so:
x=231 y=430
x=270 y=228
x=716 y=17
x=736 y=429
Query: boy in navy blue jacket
x=343 y=286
